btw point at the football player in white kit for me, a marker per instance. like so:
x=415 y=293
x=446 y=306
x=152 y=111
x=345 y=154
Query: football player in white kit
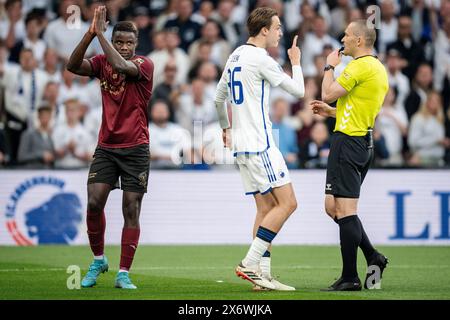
x=246 y=81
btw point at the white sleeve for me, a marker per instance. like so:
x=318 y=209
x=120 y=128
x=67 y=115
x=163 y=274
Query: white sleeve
x=221 y=96
x=271 y=71
x=58 y=139
x=296 y=85
x=49 y=37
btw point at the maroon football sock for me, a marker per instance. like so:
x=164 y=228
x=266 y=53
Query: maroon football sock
x=130 y=240
x=96 y=224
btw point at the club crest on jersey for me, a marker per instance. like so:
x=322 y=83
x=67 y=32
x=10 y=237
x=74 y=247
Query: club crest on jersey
x=139 y=60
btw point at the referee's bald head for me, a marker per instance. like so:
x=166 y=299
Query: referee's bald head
x=360 y=28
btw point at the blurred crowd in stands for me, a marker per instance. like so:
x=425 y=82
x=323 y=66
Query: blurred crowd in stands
x=49 y=117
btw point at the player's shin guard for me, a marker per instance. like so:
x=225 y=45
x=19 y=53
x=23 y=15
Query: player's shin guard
x=96 y=224
x=130 y=240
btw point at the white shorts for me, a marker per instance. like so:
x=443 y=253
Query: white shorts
x=260 y=173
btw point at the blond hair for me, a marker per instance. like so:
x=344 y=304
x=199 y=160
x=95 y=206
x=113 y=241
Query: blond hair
x=423 y=111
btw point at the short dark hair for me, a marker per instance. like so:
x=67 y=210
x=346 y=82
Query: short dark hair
x=44 y=106
x=32 y=16
x=9 y=3
x=126 y=26
x=25 y=49
x=258 y=19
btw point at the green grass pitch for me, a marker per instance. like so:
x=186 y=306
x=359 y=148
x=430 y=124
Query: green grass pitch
x=207 y=272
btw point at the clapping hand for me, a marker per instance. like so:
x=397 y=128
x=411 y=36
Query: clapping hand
x=99 y=23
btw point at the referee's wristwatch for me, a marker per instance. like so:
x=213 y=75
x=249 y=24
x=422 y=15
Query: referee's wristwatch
x=328 y=67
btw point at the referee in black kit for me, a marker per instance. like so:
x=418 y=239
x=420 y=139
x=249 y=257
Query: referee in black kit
x=360 y=92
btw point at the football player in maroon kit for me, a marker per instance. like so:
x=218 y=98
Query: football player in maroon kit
x=126 y=82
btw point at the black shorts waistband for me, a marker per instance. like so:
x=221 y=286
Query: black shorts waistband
x=368 y=138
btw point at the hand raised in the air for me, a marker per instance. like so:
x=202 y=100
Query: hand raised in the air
x=334 y=58
x=100 y=20
x=294 y=52
x=93 y=23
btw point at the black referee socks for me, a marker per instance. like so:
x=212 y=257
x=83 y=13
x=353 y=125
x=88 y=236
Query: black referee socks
x=350 y=233
x=365 y=244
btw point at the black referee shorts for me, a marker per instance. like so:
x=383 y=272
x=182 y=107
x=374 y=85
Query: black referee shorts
x=348 y=163
x=132 y=165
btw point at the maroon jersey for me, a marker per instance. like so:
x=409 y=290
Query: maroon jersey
x=125 y=100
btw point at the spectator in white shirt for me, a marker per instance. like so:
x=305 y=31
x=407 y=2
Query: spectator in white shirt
x=224 y=15
x=73 y=143
x=208 y=72
x=51 y=94
x=195 y=109
x=395 y=64
x=314 y=43
x=70 y=87
x=169 y=141
x=63 y=34
x=51 y=65
x=34 y=26
x=426 y=139
x=24 y=86
x=392 y=123
x=389 y=25
x=172 y=51
x=339 y=18
x=12 y=27
x=220 y=48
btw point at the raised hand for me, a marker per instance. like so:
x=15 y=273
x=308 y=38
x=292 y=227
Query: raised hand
x=94 y=21
x=294 y=52
x=334 y=58
x=100 y=23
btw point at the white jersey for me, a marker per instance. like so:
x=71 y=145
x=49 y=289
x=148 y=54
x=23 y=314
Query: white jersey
x=248 y=75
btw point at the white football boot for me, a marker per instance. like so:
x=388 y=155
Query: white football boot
x=277 y=284
x=253 y=274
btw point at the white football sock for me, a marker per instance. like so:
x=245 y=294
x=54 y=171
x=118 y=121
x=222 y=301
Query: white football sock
x=264 y=264
x=99 y=257
x=255 y=252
